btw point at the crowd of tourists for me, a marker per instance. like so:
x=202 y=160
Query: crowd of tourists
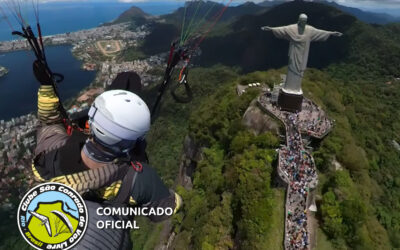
x=298 y=167
x=313 y=120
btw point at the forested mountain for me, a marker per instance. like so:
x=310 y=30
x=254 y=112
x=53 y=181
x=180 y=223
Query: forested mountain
x=208 y=9
x=268 y=3
x=365 y=16
x=370 y=47
x=196 y=14
x=255 y=49
x=243 y=44
x=134 y=14
x=233 y=201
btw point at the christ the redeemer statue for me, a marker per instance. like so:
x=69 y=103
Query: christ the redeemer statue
x=300 y=36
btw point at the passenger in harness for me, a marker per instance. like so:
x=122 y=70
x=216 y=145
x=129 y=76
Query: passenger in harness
x=110 y=165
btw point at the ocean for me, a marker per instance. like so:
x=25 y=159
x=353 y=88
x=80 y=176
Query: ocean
x=61 y=17
x=18 y=89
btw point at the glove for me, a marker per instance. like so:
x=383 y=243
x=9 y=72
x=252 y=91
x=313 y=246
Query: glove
x=41 y=73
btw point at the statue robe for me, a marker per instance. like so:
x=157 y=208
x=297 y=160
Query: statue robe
x=298 y=52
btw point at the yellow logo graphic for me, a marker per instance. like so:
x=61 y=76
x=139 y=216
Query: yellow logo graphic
x=51 y=224
x=52 y=216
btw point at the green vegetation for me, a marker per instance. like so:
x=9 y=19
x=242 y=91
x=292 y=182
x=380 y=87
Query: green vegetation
x=148 y=240
x=165 y=139
x=232 y=194
x=134 y=15
x=359 y=205
x=232 y=197
x=358 y=208
x=322 y=241
x=277 y=220
x=233 y=203
x=232 y=200
x=130 y=54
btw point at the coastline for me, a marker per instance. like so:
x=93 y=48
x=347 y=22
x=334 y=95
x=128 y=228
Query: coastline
x=91 y=47
x=72 y=38
x=85 y=48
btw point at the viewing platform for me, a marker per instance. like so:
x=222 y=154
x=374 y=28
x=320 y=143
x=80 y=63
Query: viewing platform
x=312 y=121
x=296 y=166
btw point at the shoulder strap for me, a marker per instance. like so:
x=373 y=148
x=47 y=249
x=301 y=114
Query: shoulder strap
x=127 y=185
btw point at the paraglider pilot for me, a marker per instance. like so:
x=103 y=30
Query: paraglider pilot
x=109 y=167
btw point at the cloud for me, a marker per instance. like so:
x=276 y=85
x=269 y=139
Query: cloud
x=358 y=3
x=381 y=4
x=370 y=2
x=132 y=1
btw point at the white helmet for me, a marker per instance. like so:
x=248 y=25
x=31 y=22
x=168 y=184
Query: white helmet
x=117 y=118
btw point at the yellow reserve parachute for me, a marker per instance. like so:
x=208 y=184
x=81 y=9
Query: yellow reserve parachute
x=62 y=223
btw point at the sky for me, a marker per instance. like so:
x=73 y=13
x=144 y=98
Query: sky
x=372 y=5
x=389 y=6
x=364 y=4
x=384 y=6
x=358 y=3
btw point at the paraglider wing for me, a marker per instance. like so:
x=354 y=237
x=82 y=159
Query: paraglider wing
x=64 y=219
x=43 y=219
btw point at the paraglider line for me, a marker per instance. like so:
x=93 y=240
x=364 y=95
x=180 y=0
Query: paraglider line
x=201 y=22
x=6 y=18
x=212 y=26
x=191 y=22
x=183 y=23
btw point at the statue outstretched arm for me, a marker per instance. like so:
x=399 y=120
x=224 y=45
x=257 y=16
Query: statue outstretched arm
x=280 y=32
x=266 y=28
x=337 y=33
x=323 y=35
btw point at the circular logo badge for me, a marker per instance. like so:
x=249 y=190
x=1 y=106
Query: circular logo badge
x=52 y=216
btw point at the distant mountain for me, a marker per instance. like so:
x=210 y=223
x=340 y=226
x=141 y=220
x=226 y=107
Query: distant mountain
x=254 y=49
x=248 y=8
x=198 y=10
x=374 y=49
x=272 y=3
x=132 y=14
x=194 y=13
x=365 y=16
x=239 y=41
x=395 y=12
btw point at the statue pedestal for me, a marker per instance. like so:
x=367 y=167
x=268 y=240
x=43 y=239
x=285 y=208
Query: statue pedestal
x=290 y=102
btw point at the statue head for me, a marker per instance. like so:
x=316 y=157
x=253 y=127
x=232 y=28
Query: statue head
x=302 y=19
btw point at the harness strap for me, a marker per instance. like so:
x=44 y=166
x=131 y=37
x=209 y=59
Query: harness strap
x=188 y=96
x=127 y=185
